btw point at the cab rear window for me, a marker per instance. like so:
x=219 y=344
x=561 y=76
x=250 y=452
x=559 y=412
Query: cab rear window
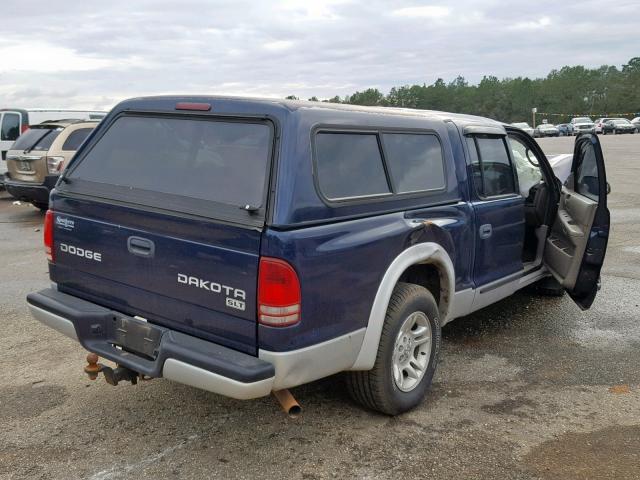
x=204 y=159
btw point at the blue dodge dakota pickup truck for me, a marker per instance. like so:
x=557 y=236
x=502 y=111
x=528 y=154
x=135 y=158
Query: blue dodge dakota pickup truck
x=245 y=246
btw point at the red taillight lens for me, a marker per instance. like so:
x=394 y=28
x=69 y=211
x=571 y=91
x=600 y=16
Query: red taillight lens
x=48 y=235
x=202 y=107
x=278 y=293
x=24 y=128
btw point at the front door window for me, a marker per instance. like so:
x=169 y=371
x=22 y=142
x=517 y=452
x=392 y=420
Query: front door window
x=527 y=166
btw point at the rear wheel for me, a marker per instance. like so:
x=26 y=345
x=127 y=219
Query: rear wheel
x=42 y=206
x=407 y=354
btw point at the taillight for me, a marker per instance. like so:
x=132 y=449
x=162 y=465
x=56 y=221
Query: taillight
x=55 y=164
x=24 y=128
x=278 y=293
x=48 y=235
x=202 y=107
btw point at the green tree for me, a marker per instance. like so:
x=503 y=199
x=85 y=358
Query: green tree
x=561 y=94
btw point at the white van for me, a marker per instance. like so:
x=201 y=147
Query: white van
x=15 y=121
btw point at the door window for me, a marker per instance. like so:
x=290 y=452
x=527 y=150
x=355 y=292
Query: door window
x=526 y=164
x=10 y=127
x=492 y=170
x=587 y=173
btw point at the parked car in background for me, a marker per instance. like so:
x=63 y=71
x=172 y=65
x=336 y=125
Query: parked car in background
x=176 y=251
x=546 y=130
x=599 y=123
x=565 y=129
x=15 y=121
x=582 y=125
x=524 y=126
x=10 y=129
x=36 y=159
x=618 y=125
x=636 y=123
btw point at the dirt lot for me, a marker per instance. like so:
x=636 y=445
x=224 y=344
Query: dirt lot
x=530 y=388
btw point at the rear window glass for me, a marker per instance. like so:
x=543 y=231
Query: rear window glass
x=219 y=161
x=75 y=139
x=415 y=161
x=10 y=126
x=349 y=165
x=38 y=139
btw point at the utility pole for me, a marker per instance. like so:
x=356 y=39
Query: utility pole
x=534 y=110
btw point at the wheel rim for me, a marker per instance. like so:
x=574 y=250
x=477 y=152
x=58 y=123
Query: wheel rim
x=411 y=351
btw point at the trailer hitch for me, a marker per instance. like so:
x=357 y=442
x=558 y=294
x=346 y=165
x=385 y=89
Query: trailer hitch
x=111 y=375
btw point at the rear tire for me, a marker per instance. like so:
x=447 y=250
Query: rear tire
x=407 y=354
x=42 y=206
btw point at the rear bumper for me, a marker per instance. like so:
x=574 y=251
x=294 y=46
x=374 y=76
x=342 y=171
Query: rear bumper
x=191 y=360
x=31 y=192
x=176 y=356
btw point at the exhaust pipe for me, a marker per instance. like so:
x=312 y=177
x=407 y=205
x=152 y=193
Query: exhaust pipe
x=287 y=402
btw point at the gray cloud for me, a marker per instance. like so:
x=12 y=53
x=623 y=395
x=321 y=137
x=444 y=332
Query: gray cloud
x=84 y=55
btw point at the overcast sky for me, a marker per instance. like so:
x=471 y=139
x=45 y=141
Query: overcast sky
x=92 y=54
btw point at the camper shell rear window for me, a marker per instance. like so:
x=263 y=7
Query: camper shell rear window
x=208 y=166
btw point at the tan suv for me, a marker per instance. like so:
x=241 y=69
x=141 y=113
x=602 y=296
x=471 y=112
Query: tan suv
x=36 y=159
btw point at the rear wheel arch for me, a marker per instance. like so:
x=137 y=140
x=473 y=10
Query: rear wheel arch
x=428 y=275
x=421 y=262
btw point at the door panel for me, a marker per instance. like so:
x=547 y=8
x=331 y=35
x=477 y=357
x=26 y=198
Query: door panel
x=569 y=235
x=499 y=239
x=575 y=249
x=499 y=210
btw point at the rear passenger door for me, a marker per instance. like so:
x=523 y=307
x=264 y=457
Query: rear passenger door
x=499 y=209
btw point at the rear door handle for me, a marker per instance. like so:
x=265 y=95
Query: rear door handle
x=141 y=247
x=485 y=230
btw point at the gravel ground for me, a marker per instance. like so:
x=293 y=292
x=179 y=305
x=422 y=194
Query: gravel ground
x=529 y=388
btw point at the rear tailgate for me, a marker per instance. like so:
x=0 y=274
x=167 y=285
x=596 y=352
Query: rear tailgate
x=153 y=222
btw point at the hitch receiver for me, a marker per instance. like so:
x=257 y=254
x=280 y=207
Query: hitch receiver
x=113 y=376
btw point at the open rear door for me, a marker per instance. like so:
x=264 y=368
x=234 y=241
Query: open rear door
x=575 y=249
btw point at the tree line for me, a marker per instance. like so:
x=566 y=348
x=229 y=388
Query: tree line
x=562 y=94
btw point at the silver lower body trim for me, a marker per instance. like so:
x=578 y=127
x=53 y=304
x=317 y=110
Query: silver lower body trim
x=197 y=377
x=305 y=365
x=56 y=322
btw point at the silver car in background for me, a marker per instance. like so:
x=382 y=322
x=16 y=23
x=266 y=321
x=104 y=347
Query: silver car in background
x=546 y=130
x=524 y=126
x=583 y=125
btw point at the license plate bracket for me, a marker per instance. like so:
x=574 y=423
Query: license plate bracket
x=137 y=336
